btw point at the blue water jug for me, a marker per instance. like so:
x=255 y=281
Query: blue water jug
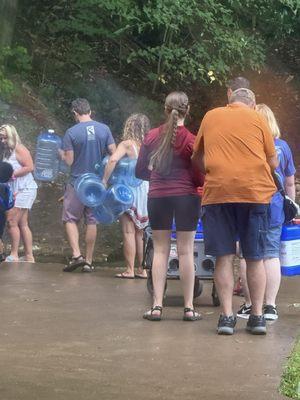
x=118 y=199
x=290 y=250
x=103 y=215
x=47 y=159
x=124 y=172
x=90 y=190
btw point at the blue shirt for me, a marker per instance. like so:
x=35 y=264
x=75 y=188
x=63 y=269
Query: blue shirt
x=89 y=141
x=285 y=168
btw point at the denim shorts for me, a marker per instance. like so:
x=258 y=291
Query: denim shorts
x=74 y=210
x=272 y=249
x=224 y=224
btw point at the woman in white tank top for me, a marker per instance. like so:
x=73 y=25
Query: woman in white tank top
x=25 y=189
x=136 y=218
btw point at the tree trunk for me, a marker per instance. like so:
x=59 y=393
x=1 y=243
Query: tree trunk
x=8 y=12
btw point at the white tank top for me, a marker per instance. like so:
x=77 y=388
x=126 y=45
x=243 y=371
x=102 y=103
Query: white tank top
x=21 y=182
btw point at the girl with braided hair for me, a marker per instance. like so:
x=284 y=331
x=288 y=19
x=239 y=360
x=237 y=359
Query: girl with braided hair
x=165 y=160
x=134 y=220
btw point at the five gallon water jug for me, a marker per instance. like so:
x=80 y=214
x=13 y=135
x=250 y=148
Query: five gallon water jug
x=118 y=199
x=90 y=190
x=124 y=172
x=290 y=249
x=47 y=159
x=103 y=215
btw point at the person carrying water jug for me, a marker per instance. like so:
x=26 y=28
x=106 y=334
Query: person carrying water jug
x=84 y=144
x=134 y=220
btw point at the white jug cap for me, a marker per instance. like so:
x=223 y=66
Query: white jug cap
x=51 y=130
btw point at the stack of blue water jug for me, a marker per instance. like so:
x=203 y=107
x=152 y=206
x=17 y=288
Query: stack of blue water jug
x=108 y=205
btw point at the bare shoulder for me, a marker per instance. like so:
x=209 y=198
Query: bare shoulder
x=21 y=149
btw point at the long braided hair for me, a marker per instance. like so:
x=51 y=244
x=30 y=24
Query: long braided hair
x=176 y=106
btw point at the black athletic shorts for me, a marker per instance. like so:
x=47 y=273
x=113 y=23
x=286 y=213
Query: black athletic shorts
x=183 y=209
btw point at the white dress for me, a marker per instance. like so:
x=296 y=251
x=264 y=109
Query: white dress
x=139 y=212
x=24 y=187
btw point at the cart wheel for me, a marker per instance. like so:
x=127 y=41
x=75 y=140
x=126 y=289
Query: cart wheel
x=150 y=284
x=198 y=287
x=215 y=297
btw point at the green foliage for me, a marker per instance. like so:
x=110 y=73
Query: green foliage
x=155 y=43
x=13 y=60
x=165 y=41
x=290 y=383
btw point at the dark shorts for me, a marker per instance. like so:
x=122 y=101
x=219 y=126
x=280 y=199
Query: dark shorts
x=224 y=224
x=184 y=209
x=74 y=210
x=2 y=222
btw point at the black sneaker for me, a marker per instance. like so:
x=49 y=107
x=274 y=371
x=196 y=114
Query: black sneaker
x=244 y=311
x=256 y=325
x=226 y=325
x=270 y=312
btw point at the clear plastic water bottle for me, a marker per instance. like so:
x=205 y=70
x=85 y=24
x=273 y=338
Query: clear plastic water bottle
x=47 y=160
x=90 y=190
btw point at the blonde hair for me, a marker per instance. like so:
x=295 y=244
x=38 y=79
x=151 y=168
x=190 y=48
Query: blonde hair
x=176 y=106
x=12 y=137
x=135 y=127
x=266 y=111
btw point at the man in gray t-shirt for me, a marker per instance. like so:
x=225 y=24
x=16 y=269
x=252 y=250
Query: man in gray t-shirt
x=84 y=145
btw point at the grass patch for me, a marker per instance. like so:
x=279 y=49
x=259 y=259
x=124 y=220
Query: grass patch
x=290 y=382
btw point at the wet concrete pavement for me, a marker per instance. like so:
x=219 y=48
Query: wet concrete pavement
x=81 y=336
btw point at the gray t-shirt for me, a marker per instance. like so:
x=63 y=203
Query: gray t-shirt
x=89 y=141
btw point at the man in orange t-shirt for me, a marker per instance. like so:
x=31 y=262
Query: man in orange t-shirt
x=236 y=150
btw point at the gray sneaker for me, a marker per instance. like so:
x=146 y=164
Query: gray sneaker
x=256 y=325
x=226 y=325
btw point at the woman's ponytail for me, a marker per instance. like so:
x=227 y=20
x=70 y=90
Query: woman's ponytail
x=176 y=106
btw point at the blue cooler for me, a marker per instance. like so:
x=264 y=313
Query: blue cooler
x=290 y=250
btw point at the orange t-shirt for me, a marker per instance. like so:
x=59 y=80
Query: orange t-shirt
x=236 y=142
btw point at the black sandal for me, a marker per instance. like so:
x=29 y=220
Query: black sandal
x=195 y=317
x=87 y=267
x=153 y=317
x=75 y=262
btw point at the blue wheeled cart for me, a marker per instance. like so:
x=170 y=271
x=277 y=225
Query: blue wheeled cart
x=204 y=264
